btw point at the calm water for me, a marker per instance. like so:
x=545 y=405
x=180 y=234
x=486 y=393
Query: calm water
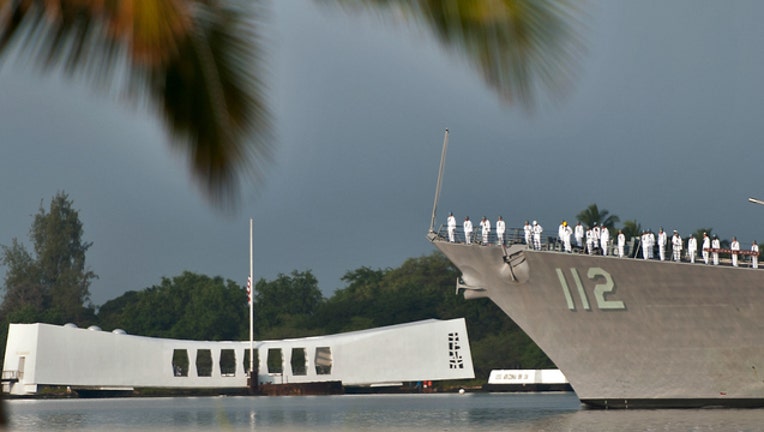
x=438 y=412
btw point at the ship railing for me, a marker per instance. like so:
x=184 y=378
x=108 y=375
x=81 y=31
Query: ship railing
x=511 y=236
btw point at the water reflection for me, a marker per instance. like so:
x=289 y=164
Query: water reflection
x=477 y=412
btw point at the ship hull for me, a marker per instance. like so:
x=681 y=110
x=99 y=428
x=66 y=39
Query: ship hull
x=630 y=332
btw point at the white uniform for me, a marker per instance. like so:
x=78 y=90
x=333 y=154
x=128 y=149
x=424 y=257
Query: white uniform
x=755 y=256
x=706 y=246
x=621 y=244
x=651 y=238
x=467 y=230
x=735 y=246
x=485 y=228
x=604 y=239
x=451 y=227
x=500 y=228
x=646 y=245
x=528 y=229
x=537 y=230
x=676 y=246
x=589 y=241
x=662 y=244
x=716 y=245
x=595 y=237
x=579 y=233
x=692 y=248
x=566 y=238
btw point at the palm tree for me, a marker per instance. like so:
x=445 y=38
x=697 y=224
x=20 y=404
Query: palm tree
x=631 y=229
x=592 y=214
x=516 y=45
x=198 y=62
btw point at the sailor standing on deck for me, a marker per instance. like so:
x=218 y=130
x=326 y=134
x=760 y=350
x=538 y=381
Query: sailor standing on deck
x=528 y=230
x=651 y=238
x=645 y=244
x=715 y=244
x=500 y=228
x=537 y=230
x=621 y=243
x=692 y=248
x=467 y=230
x=579 y=233
x=676 y=246
x=485 y=230
x=595 y=237
x=706 y=246
x=604 y=239
x=755 y=255
x=589 y=241
x=566 y=237
x=662 y=244
x=451 y=227
x=735 y=246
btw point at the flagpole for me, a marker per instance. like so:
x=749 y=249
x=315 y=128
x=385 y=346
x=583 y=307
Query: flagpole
x=252 y=373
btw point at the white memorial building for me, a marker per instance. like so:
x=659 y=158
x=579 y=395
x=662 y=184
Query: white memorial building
x=42 y=355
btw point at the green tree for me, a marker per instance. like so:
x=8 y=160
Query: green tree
x=592 y=214
x=699 y=235
x=286 y=302
x=631 y=228
x=187 y=306
x=54 y=284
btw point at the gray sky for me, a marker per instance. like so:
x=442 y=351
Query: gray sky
x=662 y=125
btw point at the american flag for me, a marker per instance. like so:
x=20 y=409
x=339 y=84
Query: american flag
x=249 y=290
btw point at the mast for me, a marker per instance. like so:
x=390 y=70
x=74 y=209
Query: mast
x=250 y=282
x=440 y=180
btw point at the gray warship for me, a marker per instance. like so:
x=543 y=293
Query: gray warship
x=626 y=332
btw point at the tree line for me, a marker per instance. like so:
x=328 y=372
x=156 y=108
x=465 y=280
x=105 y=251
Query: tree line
x=51 y=285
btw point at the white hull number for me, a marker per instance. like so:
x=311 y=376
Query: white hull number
x=606 y=286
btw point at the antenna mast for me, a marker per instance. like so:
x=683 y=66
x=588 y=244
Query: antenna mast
x=440 y=180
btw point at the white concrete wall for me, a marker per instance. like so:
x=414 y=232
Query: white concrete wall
x=56 y=355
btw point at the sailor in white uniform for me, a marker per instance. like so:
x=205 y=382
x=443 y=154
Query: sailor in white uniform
x=590 y=241
x=485 y=230
x=692 y=248
x=621 y=243
x=451 y=227
x=528 y=230
x=735 y=246
x=651 y=238
x=755 y=255
x=604 y=239
x=715 y=244
x=537 y=230
x=676 y=246
x=645 y=245
x=706 y=246
x=467 y=230
x=595 y=237
x=662 y=240
x=566 y=236
x=579 y=233
x=500 y=228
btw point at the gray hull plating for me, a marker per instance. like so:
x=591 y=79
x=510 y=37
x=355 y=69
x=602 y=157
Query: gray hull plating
x=630 y=332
